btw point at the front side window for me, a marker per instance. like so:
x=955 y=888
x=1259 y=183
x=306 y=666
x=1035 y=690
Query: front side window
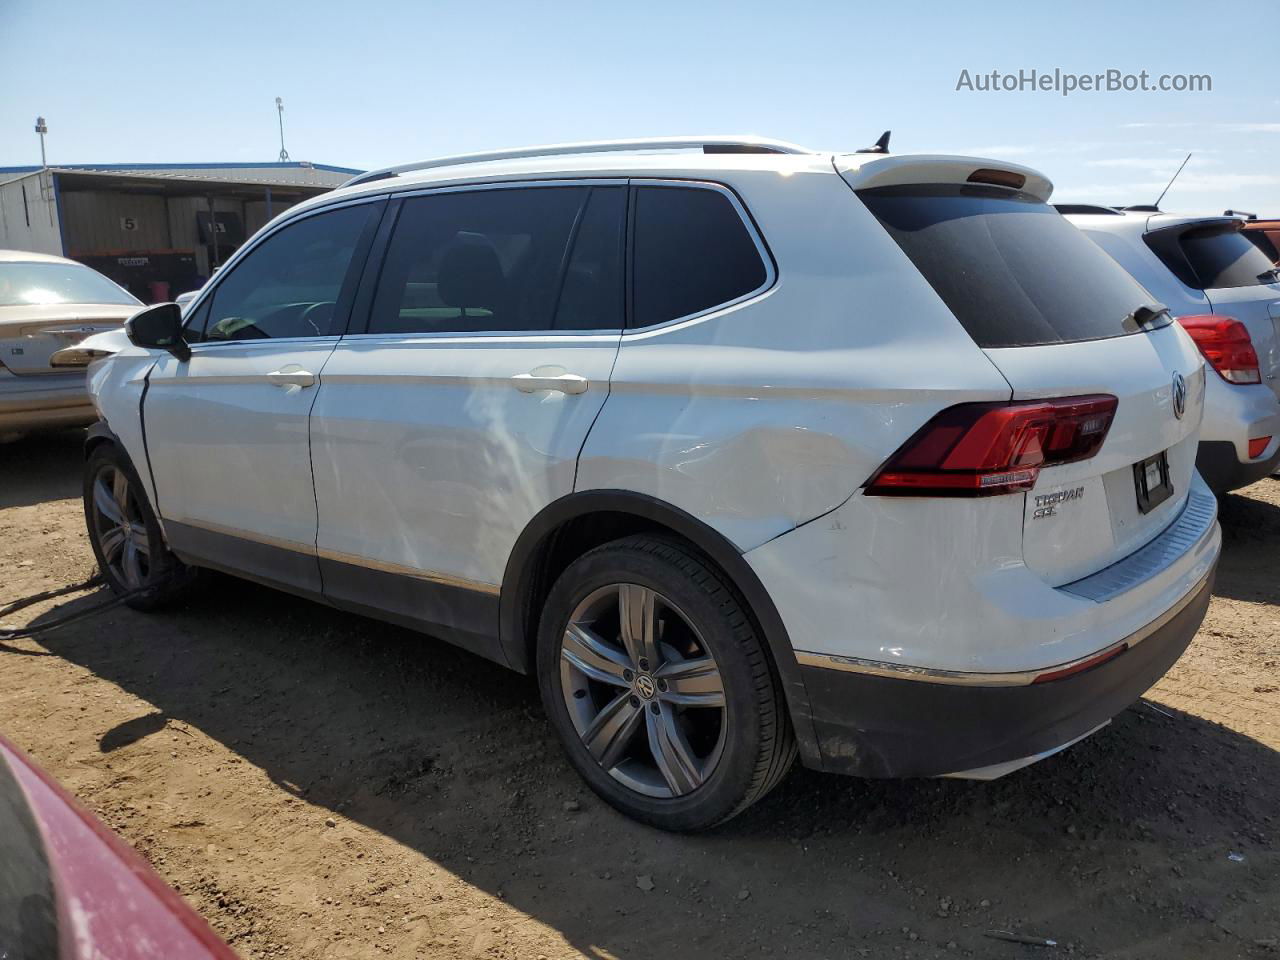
x=692 y=252
x=32 y=283
x=289 y=285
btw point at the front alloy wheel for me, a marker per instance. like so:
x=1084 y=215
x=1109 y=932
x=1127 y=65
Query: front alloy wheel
x=119 y=528
x=125 y=534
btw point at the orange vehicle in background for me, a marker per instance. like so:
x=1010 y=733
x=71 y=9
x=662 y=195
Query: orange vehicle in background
x=1264 y=233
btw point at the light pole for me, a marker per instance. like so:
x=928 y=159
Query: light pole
x=284 y=154
x=42 y=128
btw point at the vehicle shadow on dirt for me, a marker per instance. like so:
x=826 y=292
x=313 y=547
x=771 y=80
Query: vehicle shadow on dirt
x=1118 y=845
x=1250 y=531
x=40 y=468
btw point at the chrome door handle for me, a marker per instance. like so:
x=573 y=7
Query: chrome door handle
x=564 y=383
x=292 y=376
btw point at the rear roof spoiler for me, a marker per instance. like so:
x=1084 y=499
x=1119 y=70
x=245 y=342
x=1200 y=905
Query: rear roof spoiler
x=1092 y=209
x=863 y=171
x=1180 y=227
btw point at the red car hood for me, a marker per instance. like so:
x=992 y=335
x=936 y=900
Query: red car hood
x=71 y=889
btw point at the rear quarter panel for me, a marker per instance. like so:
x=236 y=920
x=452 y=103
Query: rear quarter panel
x=765 y=415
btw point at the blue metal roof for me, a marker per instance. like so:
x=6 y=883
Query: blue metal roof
x=90 y=167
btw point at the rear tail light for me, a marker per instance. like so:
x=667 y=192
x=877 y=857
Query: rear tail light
x=983 y=449
x=1225 y=343
x=1257 y=445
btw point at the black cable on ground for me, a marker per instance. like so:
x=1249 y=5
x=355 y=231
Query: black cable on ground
x=94 y=581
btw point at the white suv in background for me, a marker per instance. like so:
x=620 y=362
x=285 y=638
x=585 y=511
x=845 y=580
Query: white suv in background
x=743 y=449
x=1226 y=292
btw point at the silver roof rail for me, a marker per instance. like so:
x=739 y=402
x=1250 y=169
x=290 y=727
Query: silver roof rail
x=706 y=144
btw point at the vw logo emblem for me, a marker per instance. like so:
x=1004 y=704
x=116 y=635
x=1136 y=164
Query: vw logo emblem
x=645 y=687
x=1179 y=395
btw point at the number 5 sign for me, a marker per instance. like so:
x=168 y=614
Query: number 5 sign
x=128 y=223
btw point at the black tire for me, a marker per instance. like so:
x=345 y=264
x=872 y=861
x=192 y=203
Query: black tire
x=756 y=747
x=156 y=576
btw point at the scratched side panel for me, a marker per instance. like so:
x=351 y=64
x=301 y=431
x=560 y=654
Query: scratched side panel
x=772 y=412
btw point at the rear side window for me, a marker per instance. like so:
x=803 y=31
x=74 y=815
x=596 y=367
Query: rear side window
x=1225 y=258
x=537 y=258
x=691 y=252
x=1011 y=269
x=288 y=285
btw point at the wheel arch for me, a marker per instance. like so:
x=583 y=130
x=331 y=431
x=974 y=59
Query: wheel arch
x=568 y=527
x=97 y=435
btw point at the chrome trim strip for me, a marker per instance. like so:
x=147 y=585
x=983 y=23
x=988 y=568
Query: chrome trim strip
x=368 y=563
x=250 y=535
x=386 y=566
x=1022 y=678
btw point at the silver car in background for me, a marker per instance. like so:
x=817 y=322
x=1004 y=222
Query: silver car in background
x=1226 y=294
x=47 y=304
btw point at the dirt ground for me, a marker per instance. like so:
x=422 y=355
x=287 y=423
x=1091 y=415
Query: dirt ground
x=322 y=786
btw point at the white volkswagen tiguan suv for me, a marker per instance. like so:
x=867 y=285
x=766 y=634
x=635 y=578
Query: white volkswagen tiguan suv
x=743 y=449
x=1226 y=292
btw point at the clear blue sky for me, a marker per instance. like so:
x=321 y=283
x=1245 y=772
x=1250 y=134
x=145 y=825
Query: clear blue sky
x=370 y=84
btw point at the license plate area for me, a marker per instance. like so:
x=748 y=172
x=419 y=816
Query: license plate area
x=1151 y=481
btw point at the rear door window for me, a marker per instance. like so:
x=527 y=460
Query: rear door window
x=1225 y=258
x=535 y=258
x=1010 y=267
x=591 y=292
x=692 y=251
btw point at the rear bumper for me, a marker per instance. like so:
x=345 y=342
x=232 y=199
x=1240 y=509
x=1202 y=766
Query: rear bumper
x=48 y=400
x=877 y=726
x=1234 y=414
x=1223 y=470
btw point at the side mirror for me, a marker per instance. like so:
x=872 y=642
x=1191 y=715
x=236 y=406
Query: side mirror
x=159 y=327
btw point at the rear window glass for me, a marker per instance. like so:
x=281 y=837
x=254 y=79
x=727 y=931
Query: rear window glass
x=1011 y=269
x=1225 y=258
x=1266 y=242
x=692 y=252
x=35 y=283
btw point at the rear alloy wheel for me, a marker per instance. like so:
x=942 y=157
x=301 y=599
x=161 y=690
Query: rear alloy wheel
x=125 y=534
x=659 y=687
x=649 y=706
